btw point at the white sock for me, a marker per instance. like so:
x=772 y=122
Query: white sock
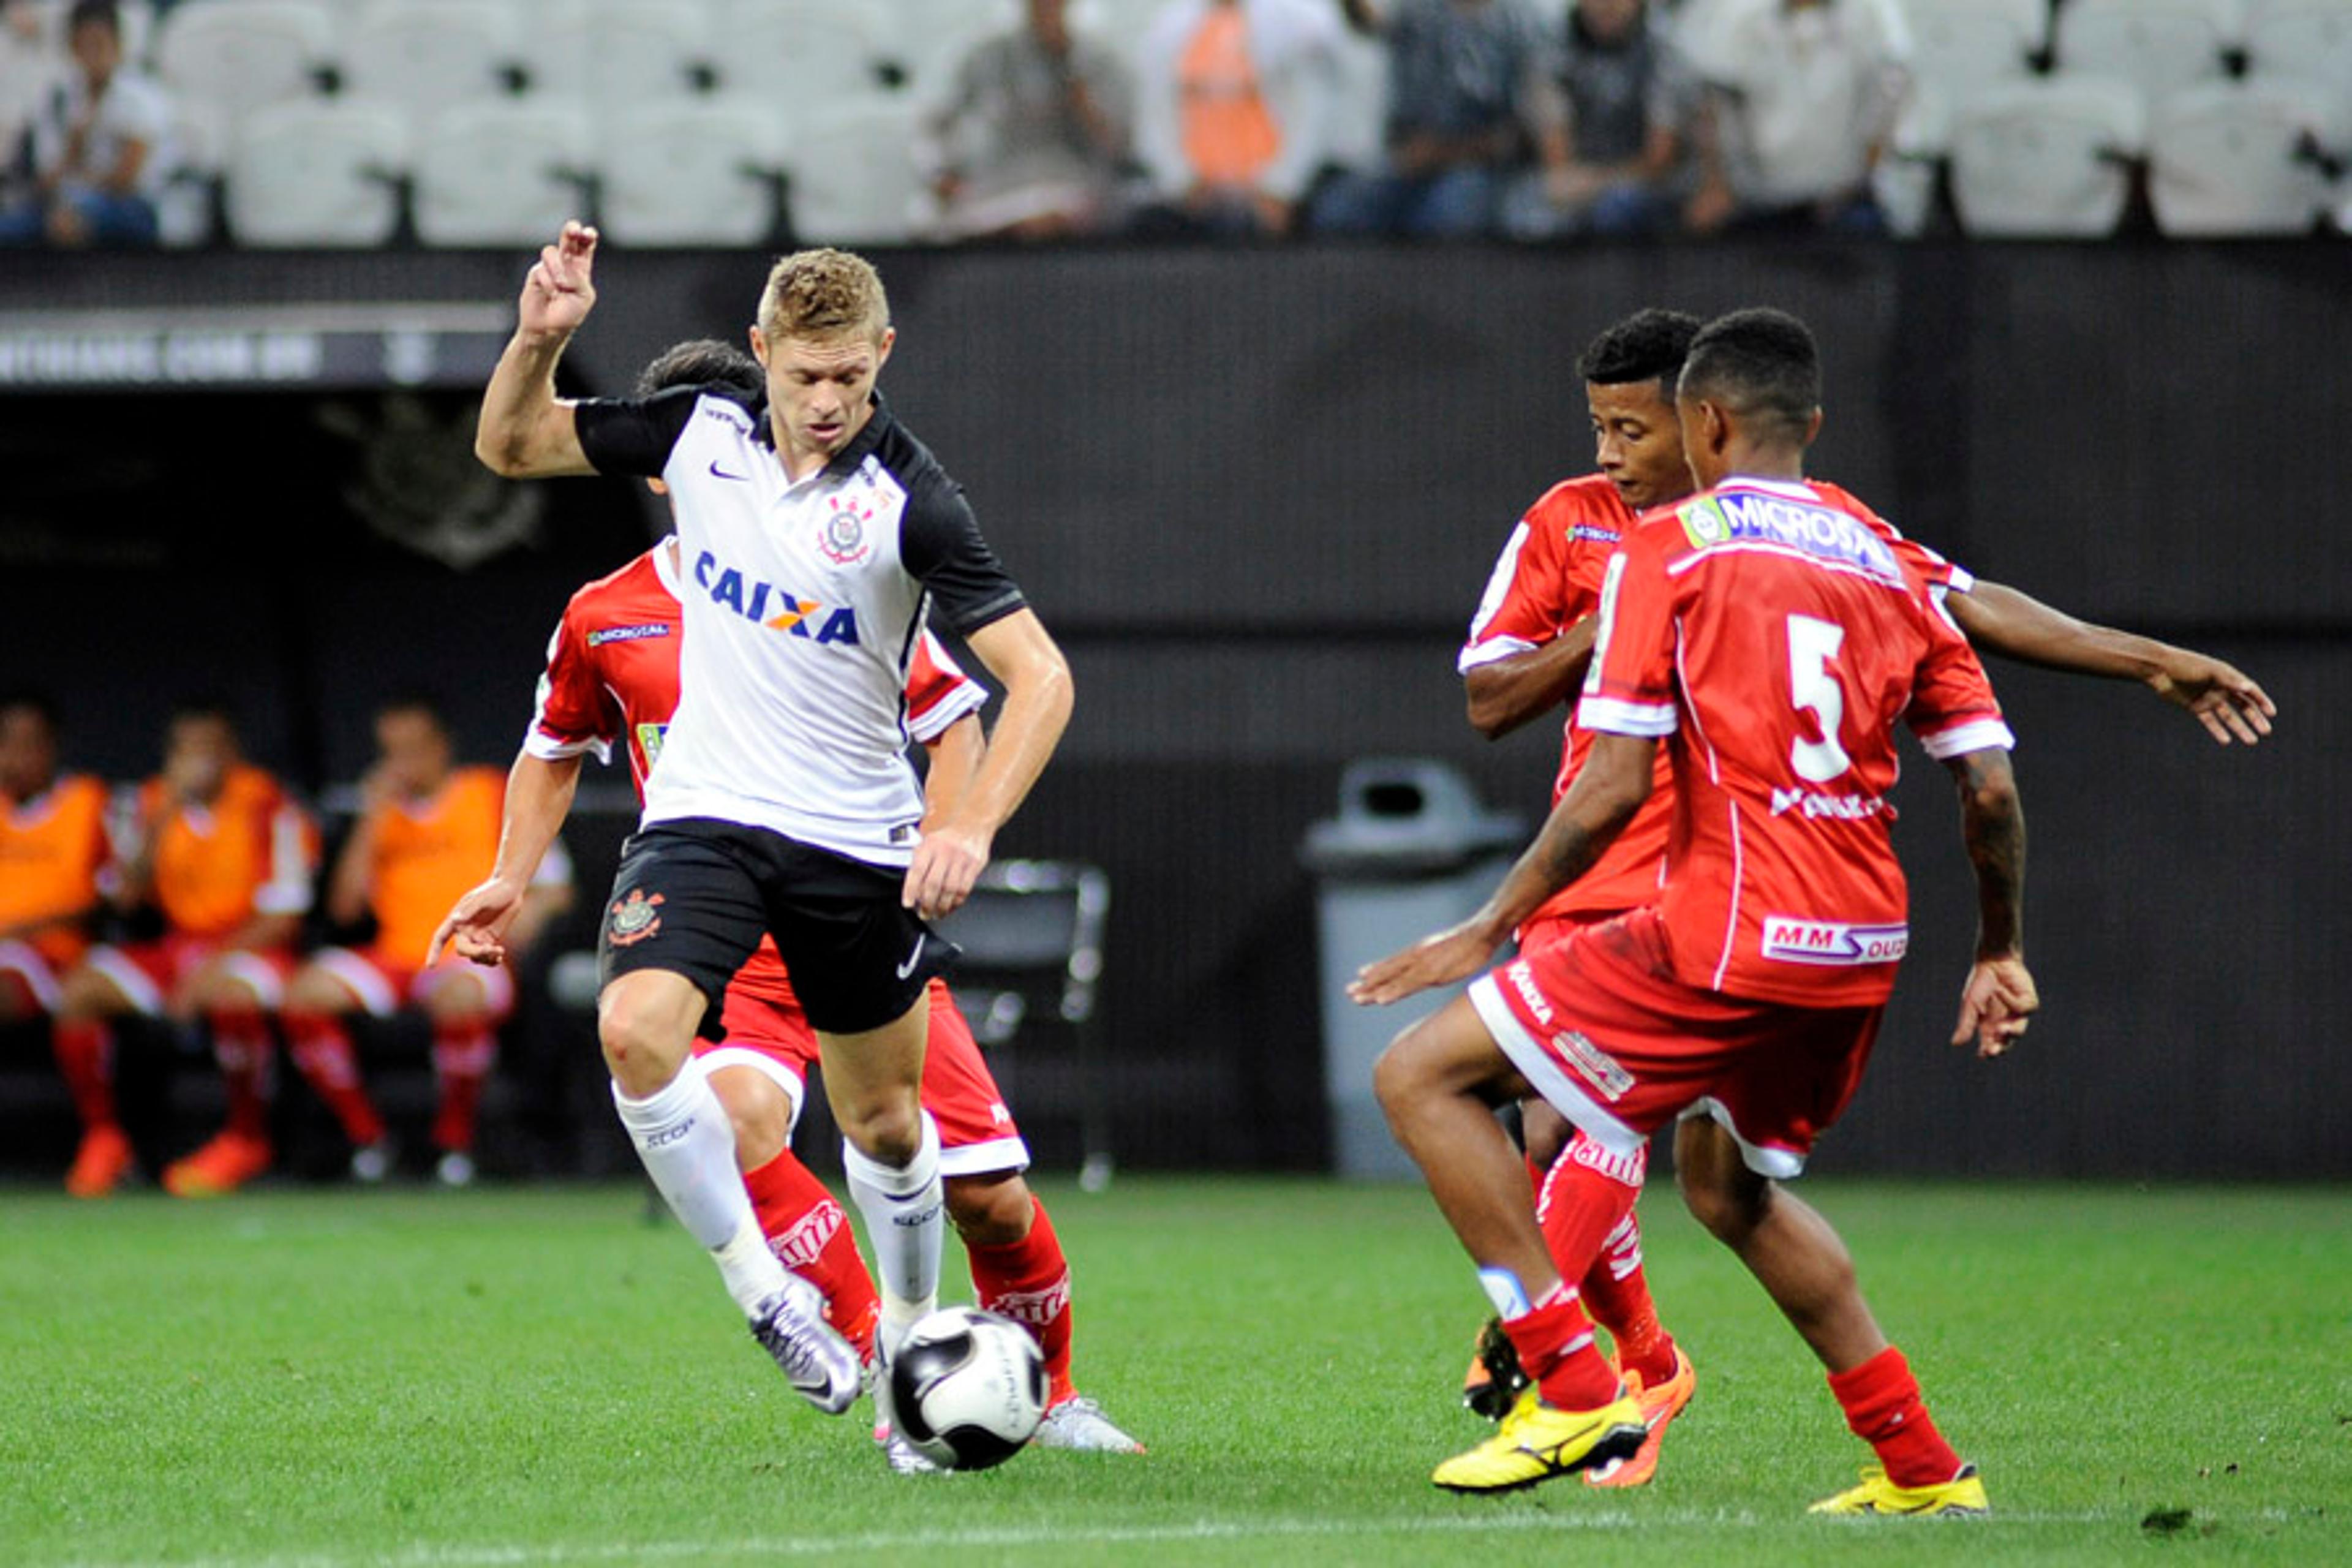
x=687 y=1144
x=905 y=1216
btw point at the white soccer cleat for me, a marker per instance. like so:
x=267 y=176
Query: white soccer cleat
x=455 y=1169
x=1079 y=1425
x=820 y=1363
x=371 y=1162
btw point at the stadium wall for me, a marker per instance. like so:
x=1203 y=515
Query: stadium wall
x=1256 y=494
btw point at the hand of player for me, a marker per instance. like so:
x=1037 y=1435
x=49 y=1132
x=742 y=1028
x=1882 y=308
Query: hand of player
x=559 y=291
x=947 y=863
x=2221 y=697
x=475 y=926
x=1995 y=1004
x=1455 y=953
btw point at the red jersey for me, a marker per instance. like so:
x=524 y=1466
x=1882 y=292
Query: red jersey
x=612 y=672
x=1547 y=579
x=1773 y=632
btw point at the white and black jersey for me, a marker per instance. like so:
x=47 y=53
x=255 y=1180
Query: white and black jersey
x=803 y=603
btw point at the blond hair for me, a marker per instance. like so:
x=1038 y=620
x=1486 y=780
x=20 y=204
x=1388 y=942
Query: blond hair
x=824 y=294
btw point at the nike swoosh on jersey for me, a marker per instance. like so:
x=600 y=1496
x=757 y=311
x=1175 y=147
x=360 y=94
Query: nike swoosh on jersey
x=723 y=474
x=908 y=968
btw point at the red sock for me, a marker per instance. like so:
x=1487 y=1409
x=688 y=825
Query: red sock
x=814 y=1239
x=1617 y=1293
x=1882 y=1408
x=85 y=1053
x=1028 y=1282
x=322 y=1050
x=462 y=1056
x=242 y=1047
x=1556 y=1349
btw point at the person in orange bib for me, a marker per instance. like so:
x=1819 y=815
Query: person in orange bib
x=427 y=828
x=226 y=857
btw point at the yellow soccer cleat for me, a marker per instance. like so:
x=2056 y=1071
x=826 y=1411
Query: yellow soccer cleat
x=1962 y=1497
x=1660 y=1405
x=1538 y=1442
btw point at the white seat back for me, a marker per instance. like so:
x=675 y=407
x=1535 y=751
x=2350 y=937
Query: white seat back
x=239 y=55
x=2235 y=158
x=853 y=179
x=2310 y=39
x=694 y=171
x=428 y=54
x=2046 y=157
x=2159 y=46
x=317 y=171
x=1962 y=45
x=502 y=171
x=811 y=52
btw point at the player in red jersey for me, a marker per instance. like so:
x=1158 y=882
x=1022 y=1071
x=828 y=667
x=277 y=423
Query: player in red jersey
x=426 y=826
x=52 y=847
x=1529 y=645
x=1771 y=634
x=227 y=858
x=614 y=675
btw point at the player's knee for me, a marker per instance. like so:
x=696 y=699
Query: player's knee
x=1724 y=1196
x=991 y=1211
x=458 y=1001
x=643 y=1047
x=758 y=1110
x=1543 y=1131
x=314 y=991
x=886 y=1128
x=1400 y=1076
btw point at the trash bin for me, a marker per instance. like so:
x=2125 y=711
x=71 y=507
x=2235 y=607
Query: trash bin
x=1412 y=851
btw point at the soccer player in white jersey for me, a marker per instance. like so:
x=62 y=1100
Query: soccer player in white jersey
x=818 y=536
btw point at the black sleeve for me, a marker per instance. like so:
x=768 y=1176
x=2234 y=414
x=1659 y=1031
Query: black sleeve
x=940 y=544
x=634 y=435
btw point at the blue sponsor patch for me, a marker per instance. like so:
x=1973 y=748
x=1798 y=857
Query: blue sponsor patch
x=1746 y=517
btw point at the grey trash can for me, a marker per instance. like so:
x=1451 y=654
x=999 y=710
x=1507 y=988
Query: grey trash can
x=1411 y=851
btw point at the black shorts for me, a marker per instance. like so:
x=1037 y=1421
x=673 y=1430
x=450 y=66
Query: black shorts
x=693 y=897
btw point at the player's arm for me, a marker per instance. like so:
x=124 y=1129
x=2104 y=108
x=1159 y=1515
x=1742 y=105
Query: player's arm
x=538 y=797
x=1038 y=698
x=2002 y=620
x=348 y=887
x=1610 y=788
x=2000 y=995
x=1507 y=692
x=525 y=431
x=955 y=758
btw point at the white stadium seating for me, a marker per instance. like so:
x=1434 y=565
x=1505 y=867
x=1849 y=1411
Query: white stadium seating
x=2311 y=40
x=427 y=53
x=614 y=53
x=853 y=179
x=809 y=51
x=501 y=172
x=320 y=172
x=2046 y=156
x=2158 y=46
x=1961 y=44
x=239 y=55
x=2238 y=157
x=694 y=171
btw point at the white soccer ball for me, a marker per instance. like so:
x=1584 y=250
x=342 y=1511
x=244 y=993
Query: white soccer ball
x=967 y=1388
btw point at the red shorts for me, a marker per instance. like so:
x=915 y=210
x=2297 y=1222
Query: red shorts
x=148 y=973
x=977 y=1135
x=1599 y=1025
x=33 y=971
x=383 y=982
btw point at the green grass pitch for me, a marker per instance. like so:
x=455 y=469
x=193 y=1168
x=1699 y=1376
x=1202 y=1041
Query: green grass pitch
x=310 y=1379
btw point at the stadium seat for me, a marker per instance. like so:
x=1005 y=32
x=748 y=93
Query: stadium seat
x=853 y=179
x=323 y=171
x=502 y=171
x=2158 y=46
x=693 y=170
x=616 y=52
x=425 y=55
x=1962 y=45
x=2306 y=39
x=202 y=137
x=240 y=56
x=808 y=50
x=2046 y=157
x=1904 y=181
x=2243 y=157
x=1032 y=940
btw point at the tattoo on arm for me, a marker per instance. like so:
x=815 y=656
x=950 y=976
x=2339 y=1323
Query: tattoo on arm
x=1992 y=825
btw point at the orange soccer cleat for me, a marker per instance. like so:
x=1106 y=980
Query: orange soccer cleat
x=1660 y=1405
x=223 y=1165
x=100 y=1163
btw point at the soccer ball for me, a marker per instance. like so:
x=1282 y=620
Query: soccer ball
x=967 y=1388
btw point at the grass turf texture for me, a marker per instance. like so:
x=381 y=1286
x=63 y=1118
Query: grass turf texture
x=539 y=1376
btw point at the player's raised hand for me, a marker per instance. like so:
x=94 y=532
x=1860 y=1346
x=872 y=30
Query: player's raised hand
x=1995 y=1004
x=947 y=863
x=2221 y=695
x=560 y=290
x=475 y=925
x=1455 y=953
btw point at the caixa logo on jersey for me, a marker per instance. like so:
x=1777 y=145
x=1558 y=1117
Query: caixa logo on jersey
x=777 y=609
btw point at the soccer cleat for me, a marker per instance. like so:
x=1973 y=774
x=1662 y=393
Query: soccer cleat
x=455 y=1169
x=100 y=1165
x=905 y=1458
x=223 y=1165
x=1962 y=1497
x=1660 y=1405
x=1492 y=1386
x=820 y=1363
x=371 y=1162
x=1078 y=1424
x=1538 y=1442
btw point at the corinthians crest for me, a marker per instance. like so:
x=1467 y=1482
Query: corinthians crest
x=842 y=536
x=634 y=919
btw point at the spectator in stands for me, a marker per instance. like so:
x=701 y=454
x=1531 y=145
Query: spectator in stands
x=52 y=847
x=30 y=68
x=427 y=831
x=1630 y=101
x=226 y=859
x=1029 y=142
x=101 y=145
x=1473 y=84
x=1801 y=98
x=1233 y=103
